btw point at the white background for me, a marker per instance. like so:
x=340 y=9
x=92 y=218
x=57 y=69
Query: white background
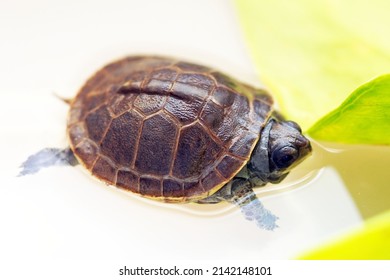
x=52 y=47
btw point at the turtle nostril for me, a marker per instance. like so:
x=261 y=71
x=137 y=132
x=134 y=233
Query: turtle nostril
x=303 y=143
x=300 y=142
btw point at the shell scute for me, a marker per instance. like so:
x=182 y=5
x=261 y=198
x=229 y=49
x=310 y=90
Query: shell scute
x=185 y=111
x=228 y=165
x=242 y=146
x=149 y=103
x=224 y=97
x=156 y=145
x=121 y=138
x=97 y=123
x=150 y=186
x=77 y=133
x=192 y=189
x=191 y=67
x=164 y=74
x=87 y=151
x=211 y=180
x=103 y=168
x=128 y=180
x=196 y=151
x=172 y=188
x=212 y=116
x=189 y=91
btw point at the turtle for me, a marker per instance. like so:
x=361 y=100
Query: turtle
x=179 y=132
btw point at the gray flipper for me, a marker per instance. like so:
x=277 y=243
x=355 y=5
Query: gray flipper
x=240 y=193
x=47 y=157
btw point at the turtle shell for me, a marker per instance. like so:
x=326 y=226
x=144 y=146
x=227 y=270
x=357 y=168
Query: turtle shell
x=165 y=129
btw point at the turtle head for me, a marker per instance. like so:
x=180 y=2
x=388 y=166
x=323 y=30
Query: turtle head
x=280 y=148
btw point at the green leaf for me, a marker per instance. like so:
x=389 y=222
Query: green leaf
x=312 y=54
x=363 y=118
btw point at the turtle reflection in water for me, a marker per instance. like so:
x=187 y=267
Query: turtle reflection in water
x=179 y=132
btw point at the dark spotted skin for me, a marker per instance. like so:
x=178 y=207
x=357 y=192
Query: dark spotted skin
x=165 y=129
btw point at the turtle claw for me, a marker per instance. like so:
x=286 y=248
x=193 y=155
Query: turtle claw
x=45 y=158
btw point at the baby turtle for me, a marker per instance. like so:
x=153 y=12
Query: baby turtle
x=179 y=132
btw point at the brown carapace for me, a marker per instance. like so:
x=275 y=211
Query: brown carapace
x=166 y=129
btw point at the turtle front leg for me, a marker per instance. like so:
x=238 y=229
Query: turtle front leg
x=47 y=157
x=251 y=207
x=240 y=193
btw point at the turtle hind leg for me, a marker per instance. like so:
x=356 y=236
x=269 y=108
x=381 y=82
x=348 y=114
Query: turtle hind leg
x=47 y=157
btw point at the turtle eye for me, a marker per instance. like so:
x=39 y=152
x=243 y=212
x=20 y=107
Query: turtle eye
x=284 y=156
x=294 y=125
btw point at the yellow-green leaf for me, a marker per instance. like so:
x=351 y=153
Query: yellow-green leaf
x=363 y=118
x=370 y=242
x=312 y=54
